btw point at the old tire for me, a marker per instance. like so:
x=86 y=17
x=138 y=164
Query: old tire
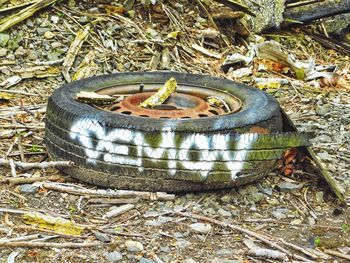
x=173 y=155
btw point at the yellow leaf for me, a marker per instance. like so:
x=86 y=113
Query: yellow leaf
x=174 y=35
x=57 y=224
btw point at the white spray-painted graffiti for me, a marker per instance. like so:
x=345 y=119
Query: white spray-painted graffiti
x=83 y=130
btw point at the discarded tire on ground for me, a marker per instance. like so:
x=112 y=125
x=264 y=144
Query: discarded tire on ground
x=164 y=149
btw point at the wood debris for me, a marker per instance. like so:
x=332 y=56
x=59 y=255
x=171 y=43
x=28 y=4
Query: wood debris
x=73 y=51
x=161 y=95
x=14 y=19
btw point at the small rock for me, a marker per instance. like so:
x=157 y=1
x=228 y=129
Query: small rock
x=201 y=227
x=49 y=35
x=29 y=23
x=319 y=197
x=256 y=197
x=133 y=246
x=224 y=213
x=226 y=198
x=3 y=52
x=224 y=260
x=311 y=221
x=322 y=110
x=41 y=31
x=188 y=260
x=55 y=19
x=296 y=222
x=52 y=56
x=325 y=156
x=102 y=236
x=288 y=186
x=146 y=260
x=224 y=252
x=249 y=189
x=56 y=44
x=280 y=213
x=114 y=256
x=4 y=39
x=165 y=249
x=32 y=55
x=28 y=188
x=179 y=8
x=182 y=243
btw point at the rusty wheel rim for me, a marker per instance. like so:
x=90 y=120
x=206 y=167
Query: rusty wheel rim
x=184 y=104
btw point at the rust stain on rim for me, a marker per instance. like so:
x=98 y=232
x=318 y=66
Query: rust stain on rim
x=177 y=106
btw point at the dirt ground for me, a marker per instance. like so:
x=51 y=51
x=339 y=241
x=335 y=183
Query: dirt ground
x=294 y=214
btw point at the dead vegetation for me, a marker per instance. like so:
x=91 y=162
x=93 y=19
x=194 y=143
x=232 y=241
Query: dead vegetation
x=46 y=216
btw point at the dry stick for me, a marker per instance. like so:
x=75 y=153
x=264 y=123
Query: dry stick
x=43 y=165
x=24 y=180
x=337 y=254
x=72 y=189
x=14 y=19
x=237 y=228
x=48 y=244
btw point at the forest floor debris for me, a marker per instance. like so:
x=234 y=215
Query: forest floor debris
x=305 y=222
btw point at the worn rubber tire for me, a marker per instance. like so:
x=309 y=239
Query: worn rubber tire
x=131 y=152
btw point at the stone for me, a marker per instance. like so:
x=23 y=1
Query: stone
x=188 y=260
x=225 y=252
x=288 y=186
x=322 y=110
x=280 y=213
x=49 y=35
x=52 y=56
x=32 y=55
x=182 y=243
x=3 y=52
x=146 y=260
x=224 y=213
x=201 y=228
x=319 y=197
x=102 y=236
x=179 y=7
x=41 y=31
x=246 y=190
x=224 y=260
x=4 y=39
x=114 y=256
x=28 y=188
x=268 y=14
x=133 y=246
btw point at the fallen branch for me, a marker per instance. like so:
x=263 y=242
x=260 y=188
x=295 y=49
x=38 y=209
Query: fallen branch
x=43 y=165
x=14 y=19
x=256 y=251
x=48 y=244
x=260 y=237
x=30 y=180
x=73 y=51
x=337 y=254
x=73 y=189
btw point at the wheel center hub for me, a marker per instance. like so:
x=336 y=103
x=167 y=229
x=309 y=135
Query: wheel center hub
x=177 y=106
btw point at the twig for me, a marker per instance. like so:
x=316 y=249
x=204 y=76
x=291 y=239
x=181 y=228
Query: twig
x=44 y=244
x=30 y=180
x=43 y=165
x=237 y=228
x=337 y=254
x=254 y=250
x=73 y=189
x=14 y=19
x=18 y=92
x=119 y=210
